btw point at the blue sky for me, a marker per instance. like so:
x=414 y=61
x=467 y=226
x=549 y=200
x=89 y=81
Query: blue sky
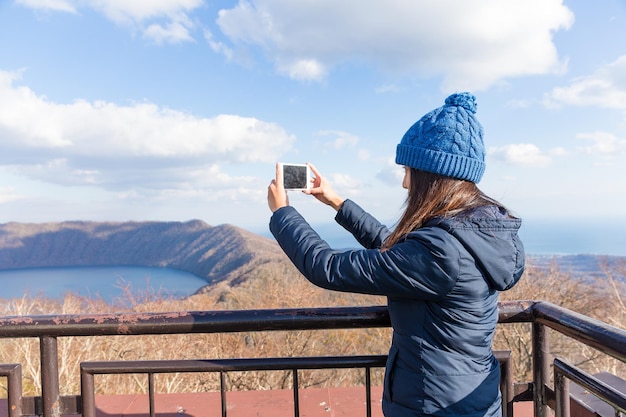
x=177 y=109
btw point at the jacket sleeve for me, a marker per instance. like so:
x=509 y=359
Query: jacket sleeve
x=368 y=231
x=417 y=268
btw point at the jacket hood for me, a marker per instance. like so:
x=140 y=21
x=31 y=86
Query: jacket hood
x=490 y=235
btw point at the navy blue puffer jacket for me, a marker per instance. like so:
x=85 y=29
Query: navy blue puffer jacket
x=441 y=284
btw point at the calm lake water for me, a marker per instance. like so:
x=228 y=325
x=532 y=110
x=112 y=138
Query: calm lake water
x=108 y=283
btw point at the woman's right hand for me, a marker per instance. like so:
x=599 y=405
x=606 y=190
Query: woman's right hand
x=276 y=193
x=322 y=190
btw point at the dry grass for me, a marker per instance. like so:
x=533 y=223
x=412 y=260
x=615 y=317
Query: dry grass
x=279 y=290
x=603 y=299
x=282 y=287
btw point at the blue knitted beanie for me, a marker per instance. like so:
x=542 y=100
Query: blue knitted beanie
x=446 y=141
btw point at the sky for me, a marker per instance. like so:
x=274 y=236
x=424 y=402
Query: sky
x=172 y=110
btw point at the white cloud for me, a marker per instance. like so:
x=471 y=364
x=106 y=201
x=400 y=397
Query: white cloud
x=558 y=151
x=343 y=140
x=481 y=43
x=172 y=32
x=207 y=183
x=123 y=11
x=159 y=20
x=55 y=5
x=218 y=47
x=58 y=171
x=303 y=70
x=392 y=173
x=603 y=144
x=8 y=194
x=345 y=184
x=124 y=146
x=605 y=88
x=524 y=154
x=340 y=140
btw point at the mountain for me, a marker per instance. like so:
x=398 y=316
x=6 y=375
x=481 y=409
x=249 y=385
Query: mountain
x=224 y=254
x=215 y=253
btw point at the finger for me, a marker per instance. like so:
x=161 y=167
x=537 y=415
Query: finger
x=279 y=173
x=315 y=171
x=315 y=191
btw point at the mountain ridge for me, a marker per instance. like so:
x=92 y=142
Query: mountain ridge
x=214 y=253
x=223 y=254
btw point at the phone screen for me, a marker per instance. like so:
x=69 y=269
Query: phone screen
x=295 y=176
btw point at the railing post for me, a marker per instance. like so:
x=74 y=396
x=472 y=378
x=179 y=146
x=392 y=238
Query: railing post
x=87 y=393
x=561 y=391
x=506 y=381
x=368 y=391
x=13 y=373
x=151 y=394
x=223 y=393
x=50 y=376
x=541 y=369
x=296 y=394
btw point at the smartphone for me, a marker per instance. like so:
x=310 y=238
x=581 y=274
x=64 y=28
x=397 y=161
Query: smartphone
x=296 y=176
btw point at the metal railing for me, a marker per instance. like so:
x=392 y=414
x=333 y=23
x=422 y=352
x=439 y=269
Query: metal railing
x=88 y=370
x=367 y=362
x=601 y=336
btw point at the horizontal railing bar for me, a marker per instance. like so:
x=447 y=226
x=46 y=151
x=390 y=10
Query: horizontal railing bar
x=69 y=404
x=605 y=392
x=520 y=311
x=220 y=321
x=595 y=333
x=243 y=364
x=234 y=364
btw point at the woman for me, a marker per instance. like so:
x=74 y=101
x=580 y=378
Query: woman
x=441 y=269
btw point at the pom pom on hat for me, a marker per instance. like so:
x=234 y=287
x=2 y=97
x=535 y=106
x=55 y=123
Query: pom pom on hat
x=465 y=100
x=446 y=141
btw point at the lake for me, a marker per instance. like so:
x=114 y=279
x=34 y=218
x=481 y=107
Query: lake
x=109 y=283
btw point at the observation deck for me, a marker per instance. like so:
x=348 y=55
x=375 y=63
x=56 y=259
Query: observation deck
x=556 y=386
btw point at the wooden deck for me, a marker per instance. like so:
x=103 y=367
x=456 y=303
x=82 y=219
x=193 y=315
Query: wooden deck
x=335 y=402
x=322 y=402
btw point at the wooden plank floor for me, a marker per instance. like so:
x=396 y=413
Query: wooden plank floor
x=335 y=402
x=322 y=402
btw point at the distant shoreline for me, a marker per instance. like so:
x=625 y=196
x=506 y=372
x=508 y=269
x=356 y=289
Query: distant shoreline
x=582 y=265
x=541 y=237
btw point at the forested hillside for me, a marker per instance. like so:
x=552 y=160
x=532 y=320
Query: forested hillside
x=215 y=253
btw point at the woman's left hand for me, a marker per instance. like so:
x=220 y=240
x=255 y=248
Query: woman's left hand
x=276 y=193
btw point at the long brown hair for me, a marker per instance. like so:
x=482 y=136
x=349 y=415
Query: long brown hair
x=433 y=195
